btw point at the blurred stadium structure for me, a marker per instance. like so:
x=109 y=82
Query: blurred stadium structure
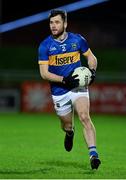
x=103 y=25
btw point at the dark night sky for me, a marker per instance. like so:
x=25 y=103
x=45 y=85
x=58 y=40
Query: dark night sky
x=107 y=17
x=111 y=10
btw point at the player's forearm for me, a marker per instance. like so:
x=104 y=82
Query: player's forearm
x=92 y=60
x=45 y=74
x=52 y=77
x=92 y=63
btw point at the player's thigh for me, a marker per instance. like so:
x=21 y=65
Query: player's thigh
x=80 y=100
x=82 y=106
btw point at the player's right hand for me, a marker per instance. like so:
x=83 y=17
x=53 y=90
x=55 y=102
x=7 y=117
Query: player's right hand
x=93 y=75
x=70 y=81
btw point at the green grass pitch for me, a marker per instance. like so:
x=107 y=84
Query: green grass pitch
x=31 y=147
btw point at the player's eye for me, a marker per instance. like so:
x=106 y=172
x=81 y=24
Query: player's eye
x=57 y=22
x=51 y=22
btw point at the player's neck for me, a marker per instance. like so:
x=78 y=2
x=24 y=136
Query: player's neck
x=62 y=36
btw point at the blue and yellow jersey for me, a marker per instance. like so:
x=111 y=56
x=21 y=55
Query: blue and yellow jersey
x=62 y=56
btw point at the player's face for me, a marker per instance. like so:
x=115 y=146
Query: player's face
x=57 y=25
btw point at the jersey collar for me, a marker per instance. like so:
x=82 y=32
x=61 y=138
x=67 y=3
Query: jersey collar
x=61 y=41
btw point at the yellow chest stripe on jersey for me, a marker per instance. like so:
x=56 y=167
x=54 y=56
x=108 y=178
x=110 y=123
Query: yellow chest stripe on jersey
x=63 y=59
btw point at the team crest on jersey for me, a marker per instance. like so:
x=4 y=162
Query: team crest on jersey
x=74 y=45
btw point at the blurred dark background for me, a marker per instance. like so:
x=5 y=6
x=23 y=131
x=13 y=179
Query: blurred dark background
x=103 y=25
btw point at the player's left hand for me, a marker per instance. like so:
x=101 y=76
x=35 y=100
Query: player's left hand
x=93 y=72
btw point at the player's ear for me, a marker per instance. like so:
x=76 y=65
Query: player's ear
x=65 y=24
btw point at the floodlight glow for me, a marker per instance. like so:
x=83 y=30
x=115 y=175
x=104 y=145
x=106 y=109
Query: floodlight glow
x=44 y=15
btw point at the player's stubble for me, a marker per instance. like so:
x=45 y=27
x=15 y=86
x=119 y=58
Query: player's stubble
x=60 y=33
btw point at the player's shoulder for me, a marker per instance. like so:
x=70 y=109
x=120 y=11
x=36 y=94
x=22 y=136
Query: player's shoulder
x=45 y=42
x=76 y=36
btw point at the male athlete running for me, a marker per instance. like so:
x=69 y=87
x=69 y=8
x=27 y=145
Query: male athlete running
x=59 y=55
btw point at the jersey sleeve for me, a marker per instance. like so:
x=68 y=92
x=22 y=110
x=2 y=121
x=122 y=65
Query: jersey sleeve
x=43 y=54
x=84 y=47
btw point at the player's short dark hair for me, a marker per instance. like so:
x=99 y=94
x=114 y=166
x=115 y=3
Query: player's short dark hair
x=55 y=12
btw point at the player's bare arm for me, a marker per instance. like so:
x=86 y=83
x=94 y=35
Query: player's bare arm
x=45 y=74
x=92 y=60
x=92 y=64
x=69 y=81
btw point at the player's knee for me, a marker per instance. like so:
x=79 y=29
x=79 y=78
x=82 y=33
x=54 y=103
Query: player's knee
x=85 y=119
x=83 y=116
